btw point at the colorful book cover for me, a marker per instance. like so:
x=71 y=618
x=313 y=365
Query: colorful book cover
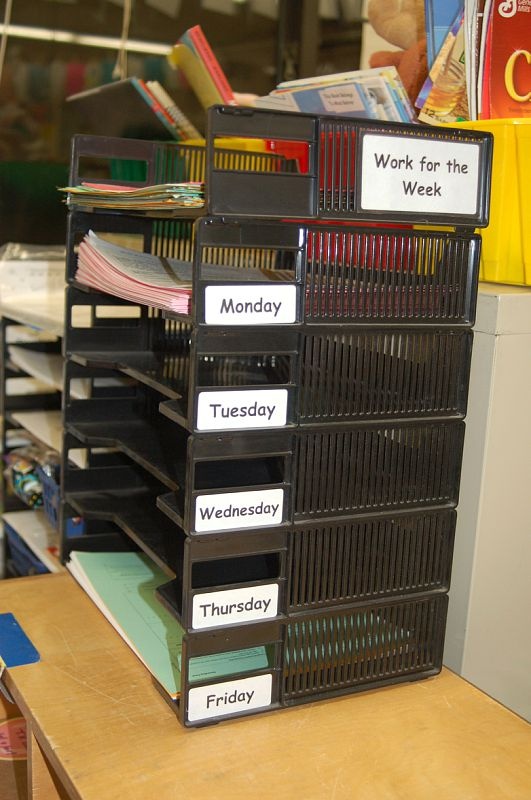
x=439 y=15
x=483 y=58
x=508 y=75
x=375 y=93
x=346 y=98
x=484 y=103
x=184 y=59
x=148 y=96
x=447 y=99
x=204 y=62
x=440 y=60
x=183 y=125
x=122 y=108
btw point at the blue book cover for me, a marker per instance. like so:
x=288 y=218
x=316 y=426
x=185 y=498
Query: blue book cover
x=15 y=647
x=440 y=15
x=345 y=98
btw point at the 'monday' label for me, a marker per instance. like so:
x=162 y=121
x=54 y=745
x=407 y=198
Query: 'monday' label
x=251 y=304
x=231 y=697
x=216 y=512
x=213 y=609
x=263 y=408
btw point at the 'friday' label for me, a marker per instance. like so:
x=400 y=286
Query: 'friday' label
x=250 y=304
x=216 y=512
x=230 y=697
x=263 y=408
x=214 y=609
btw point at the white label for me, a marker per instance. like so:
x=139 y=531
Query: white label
x=408 y=174
x=231 y=697
x=341 y=99
x=251 y=304
x=213 y=609
x=261 y=408
x=217 y=512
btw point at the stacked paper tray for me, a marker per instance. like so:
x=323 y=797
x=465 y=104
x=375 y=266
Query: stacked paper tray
x=242 y=480
x=316 y=656
x=287 y=449
x=266 y=574
x=352 y=169
x=276 y=378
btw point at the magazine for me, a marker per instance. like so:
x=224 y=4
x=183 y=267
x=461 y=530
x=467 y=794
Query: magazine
x=164 y=283
x=367 y=94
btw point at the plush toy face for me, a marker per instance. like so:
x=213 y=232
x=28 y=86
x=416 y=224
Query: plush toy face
x=402 y=24
x=399 y=22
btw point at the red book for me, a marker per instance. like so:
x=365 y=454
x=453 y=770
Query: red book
x=196 y=38
x=509 y=70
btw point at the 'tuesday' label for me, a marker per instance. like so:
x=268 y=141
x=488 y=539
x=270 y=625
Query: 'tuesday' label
x=263 y=408
x=231 y=697
x=250 y=304
x=216 y=512
x=402 y=173
x=213 y=609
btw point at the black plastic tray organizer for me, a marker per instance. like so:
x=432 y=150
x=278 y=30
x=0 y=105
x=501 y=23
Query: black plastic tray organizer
x=239 y=480
x=350 y=275
x=294 y=273
x=353 y=169
x=316 y=656
x=138 y=163
x=215 y=380
x=225 y=580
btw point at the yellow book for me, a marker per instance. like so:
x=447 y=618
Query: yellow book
x=195 y=72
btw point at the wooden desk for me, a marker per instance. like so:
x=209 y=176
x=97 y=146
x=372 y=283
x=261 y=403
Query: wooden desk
x=100 y=730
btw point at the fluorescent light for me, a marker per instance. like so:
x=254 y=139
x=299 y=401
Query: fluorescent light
x=86 y=40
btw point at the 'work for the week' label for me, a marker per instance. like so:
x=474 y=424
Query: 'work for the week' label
x=247 y=604
x=232 y=410
x=216 y=512
x=259 y=304
x=230 y=697
x=402 y=173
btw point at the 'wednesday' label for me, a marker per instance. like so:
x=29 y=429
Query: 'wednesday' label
x=216 y=512
x=259 y=304
x=230 y=697
x=263 y=408
x=248 y=604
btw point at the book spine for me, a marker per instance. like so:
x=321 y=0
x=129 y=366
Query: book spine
x=206 y=54
x=155 y=106
x=181 y=121
x=430 y=32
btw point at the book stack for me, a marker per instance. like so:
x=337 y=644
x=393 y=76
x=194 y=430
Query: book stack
x=480 y=70
x=194 y=57
x=365 y=94
x=287 y=449
x=131 y=108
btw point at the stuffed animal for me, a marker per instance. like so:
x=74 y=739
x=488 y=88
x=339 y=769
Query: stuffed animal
x=402 y=24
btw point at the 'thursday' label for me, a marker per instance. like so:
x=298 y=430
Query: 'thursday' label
x=246 y=604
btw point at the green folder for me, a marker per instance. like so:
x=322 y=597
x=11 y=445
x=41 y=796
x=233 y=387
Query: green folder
x=123 y=586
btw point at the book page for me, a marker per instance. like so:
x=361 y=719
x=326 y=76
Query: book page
x=123 y=585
